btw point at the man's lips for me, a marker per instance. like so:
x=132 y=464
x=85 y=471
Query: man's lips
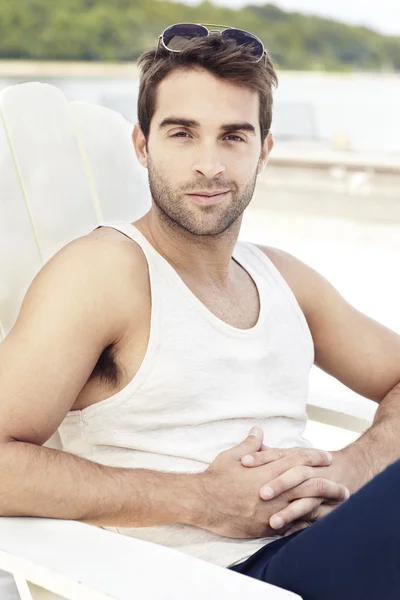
x=208 y=198
x=208 y=194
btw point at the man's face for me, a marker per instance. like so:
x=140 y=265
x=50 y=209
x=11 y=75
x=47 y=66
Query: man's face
x=204 y=151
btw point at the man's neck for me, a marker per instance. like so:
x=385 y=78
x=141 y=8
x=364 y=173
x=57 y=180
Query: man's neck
x=208 y=259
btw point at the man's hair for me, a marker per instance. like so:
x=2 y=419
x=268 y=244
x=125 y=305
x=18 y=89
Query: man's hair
x=222 y=58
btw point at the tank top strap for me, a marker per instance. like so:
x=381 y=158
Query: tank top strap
x=249 y=254
x=132 y=232
x=254 y=259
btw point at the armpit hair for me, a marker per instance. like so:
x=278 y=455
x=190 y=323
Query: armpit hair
x=106 y=369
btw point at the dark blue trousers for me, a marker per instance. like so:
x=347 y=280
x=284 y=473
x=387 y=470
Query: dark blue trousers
x=351 y=554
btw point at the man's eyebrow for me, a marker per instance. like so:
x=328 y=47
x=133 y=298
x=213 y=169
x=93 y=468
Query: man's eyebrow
x=244 y=126
x=190 y=123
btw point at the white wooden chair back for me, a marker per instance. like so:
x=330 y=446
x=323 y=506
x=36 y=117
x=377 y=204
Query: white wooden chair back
x=64 y=169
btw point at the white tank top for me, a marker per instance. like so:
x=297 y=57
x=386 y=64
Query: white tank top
x=202 y=386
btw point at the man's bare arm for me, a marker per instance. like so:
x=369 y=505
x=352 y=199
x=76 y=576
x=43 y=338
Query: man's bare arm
x=42 y=482
x=69 y=315
x=71 y=312
x=359 y=352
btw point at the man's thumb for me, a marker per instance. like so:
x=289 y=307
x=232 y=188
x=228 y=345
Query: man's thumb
x=252 y=443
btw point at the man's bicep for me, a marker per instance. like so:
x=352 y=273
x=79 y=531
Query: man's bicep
x=357 y=350
x=361 y=353
x=52 y=349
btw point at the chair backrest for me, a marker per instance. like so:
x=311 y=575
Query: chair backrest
x=64 y=169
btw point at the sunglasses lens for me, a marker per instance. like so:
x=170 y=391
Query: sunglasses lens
x=177 y=36
x=244 y=38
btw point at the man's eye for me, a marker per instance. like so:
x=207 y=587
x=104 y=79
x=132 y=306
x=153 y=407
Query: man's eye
x=235 y=138
x=180 y=134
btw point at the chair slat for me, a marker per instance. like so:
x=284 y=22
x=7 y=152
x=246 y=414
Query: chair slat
x=65 y=168
x=83 y=562
x=20 y=257
x=109 y=158
x=44 y=142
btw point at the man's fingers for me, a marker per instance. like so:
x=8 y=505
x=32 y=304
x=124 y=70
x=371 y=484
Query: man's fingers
x=304 y=458
x=266 y=456
x=299 y=526
x=252 y=443
x=295 y=511
x=291 y=471
x=317 y=513
x=302 y=482
x=289 y=480
x=325 y=509
x=317 y=487
x=308 y=456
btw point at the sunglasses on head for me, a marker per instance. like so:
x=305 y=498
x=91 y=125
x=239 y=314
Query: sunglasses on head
x=175 y=37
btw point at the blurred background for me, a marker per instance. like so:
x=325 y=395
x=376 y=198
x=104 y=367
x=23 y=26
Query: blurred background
x=339 y=83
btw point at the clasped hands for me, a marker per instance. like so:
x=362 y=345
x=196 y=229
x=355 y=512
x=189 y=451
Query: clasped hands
x=258 y=491
x=313 y=494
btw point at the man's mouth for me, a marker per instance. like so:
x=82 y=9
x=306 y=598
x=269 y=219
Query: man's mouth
x=209 y=194
x=208 y=198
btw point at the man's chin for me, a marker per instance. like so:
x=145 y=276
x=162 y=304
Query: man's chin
x=206 y=225
x=211 y=230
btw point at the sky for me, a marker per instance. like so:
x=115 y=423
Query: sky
x=381 y=15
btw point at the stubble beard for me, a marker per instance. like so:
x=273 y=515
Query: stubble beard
x=176 y=211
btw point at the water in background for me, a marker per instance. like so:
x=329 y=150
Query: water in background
x=359 y=110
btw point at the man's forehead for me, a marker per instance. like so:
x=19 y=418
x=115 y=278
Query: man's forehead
x=194 y=94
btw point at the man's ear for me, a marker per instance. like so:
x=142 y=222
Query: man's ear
x=268 y=145
x=140 y=144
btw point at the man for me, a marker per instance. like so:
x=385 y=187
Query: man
x=155 y=346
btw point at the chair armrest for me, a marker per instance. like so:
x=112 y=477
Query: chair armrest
x=332 y=403
x=82 y=562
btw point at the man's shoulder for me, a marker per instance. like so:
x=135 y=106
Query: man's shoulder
x=290 y=267
x=277 y=256
x=103 y=269
x=300 y=277
x=105 y=255
x=112 y=245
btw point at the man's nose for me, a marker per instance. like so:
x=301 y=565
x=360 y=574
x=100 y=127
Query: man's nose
x=209 y=165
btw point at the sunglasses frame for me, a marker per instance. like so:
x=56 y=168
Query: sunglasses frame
x=221 y=29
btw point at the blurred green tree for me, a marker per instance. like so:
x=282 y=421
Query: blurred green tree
x=98 y=30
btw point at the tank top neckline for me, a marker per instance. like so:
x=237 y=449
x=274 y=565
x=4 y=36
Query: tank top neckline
x=197 y=303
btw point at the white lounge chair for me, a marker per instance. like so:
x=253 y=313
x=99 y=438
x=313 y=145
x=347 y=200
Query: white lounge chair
x=65 y=168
